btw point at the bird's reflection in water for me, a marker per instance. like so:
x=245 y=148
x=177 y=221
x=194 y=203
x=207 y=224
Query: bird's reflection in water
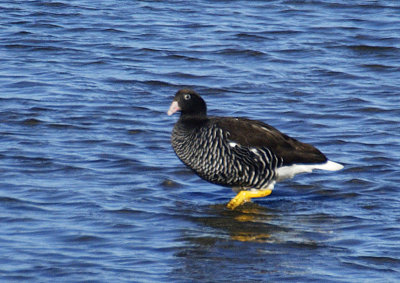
x=253 y=223
x=223 y=240
x=248 y=223
x=253 y=214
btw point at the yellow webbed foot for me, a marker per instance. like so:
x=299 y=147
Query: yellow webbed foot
x=244 y=196
x=239 y=199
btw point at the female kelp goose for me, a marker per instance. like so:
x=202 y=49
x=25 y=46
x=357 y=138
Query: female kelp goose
x=247 y=155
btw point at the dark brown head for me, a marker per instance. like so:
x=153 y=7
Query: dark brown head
x=189 y=103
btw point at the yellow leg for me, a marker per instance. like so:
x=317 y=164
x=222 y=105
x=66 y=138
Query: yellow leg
x=244 y=196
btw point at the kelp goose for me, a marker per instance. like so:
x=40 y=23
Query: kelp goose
x=247 y=155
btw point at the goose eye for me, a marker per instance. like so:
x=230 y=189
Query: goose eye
x=187 y=96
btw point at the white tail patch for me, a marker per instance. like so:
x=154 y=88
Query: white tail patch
x=329 y=166
x=287 y=172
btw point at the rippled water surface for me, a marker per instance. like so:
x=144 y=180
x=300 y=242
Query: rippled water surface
x=90 y=189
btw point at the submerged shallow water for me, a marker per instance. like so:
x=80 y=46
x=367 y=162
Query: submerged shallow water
x=90 y=189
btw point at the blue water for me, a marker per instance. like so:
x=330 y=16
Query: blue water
x=90 y=189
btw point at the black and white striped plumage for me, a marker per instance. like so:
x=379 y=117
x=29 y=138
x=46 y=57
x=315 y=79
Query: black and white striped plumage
x=238 y=152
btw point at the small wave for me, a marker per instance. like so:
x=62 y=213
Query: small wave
x=26 y=84
x=249 y=52
x=32 y=122
x=124 y=211
x=84 y=239
x=53 y=4
x=372 y=48
x=170 y=184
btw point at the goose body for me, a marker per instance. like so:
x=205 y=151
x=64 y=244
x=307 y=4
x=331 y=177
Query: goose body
x=247 y=155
